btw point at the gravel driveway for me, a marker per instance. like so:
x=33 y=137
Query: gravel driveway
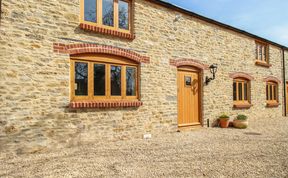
x=259 y=151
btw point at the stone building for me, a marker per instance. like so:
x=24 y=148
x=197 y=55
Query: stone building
x=77 y=71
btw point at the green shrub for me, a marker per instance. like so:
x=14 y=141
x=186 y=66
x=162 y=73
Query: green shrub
x=241 y=117
x=224 y=116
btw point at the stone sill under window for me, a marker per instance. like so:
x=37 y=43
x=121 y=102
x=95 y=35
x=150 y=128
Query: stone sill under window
x=105 y=104
x=242 y=106
x=107 y=31
x=263 y=64
x=272 y=105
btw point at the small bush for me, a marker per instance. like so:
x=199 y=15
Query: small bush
x=224 y=116
x=241 y=117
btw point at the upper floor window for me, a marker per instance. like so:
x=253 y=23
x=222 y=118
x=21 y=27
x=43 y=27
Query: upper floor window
x=262 y=54
x=103 y=77
x=241 y=93
x=109 y=14
x=272 y=93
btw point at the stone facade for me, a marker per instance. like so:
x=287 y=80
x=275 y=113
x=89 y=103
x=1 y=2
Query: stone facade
x=34 y=79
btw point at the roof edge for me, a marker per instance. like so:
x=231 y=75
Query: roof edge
x=212 y=21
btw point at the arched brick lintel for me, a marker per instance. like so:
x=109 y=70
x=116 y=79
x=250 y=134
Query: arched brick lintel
x=272 y=79
x=188 y=62
x=241 y=75
x=73 y=49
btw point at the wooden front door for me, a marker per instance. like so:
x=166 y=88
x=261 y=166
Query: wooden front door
x=188 y=97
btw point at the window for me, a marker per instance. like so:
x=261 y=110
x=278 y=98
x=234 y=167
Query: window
x=108 y=14
x=241 y=92
x=262 y=54
x=271 y=93
x=103 y=77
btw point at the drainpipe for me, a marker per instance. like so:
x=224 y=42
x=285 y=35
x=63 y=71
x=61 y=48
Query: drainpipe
x=284 y=82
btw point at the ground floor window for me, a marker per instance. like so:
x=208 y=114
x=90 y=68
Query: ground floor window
x=241 y=91
x=271 y=92
x=103 y=78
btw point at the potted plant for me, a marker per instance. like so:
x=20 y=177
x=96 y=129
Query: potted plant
x=224 y=121
x=240 y=122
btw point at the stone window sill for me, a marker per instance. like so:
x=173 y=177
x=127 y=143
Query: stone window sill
x=272 y=105
x=107 y=31
x=263 y=64
x=242 y=106
x=105 y=104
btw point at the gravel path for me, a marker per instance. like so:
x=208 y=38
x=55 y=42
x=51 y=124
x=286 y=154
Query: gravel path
x=259 y=151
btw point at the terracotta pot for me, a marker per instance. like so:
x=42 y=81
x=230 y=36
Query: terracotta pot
x=224 y=122
x=240 y=124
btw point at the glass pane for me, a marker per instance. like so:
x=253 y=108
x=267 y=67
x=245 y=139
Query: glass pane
x=275 y=92
x=240 y=91
x=81 y=79
x=115 y=80
x=245 y=92
x=123 y=15
x=271 y=91
x=188 y=81
x=260 y=53
x=264 y=53
x=234 y=91
x=267 y=92
x=90 y=7
x=108 y=12
x=131 y=81
x=99 y=79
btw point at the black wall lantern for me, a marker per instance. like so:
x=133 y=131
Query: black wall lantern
x=213 y=70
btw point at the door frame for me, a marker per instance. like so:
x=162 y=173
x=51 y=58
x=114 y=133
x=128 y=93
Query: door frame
x=192 y=68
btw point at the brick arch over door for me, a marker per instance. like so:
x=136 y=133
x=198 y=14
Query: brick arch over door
x=73 y=49
x=241 y=75
x=272 y=79
x=188 y=62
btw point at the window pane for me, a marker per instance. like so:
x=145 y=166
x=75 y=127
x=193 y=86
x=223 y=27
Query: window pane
x=264 y=53
x=81 y=79
x=275 y=92
x=99 y=79
x=245 y=92
x=260 y=53
x=240 y=91
x=267 y=92
x=108 y=12
x=270 y=97
x=115 y=80
x=90 y=10
x=234 y=91
x=131 y=81
x=123 y=15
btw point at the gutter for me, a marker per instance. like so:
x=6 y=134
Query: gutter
x=284 y=82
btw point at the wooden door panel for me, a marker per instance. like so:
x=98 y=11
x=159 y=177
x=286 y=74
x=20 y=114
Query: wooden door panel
x=188 y=98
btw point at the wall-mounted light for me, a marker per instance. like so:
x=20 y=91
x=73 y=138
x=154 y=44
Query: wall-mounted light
x=213 y=69
x=177 y=18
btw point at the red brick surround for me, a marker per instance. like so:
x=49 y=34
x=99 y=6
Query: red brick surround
x=272 y=79
x=102 y=49
x=241 y=75
x=106 y=31
x=188 y=62
x=104 y=104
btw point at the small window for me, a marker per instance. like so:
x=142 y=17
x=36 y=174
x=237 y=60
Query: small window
x=241 y=91
x=109 y=14
x=271 y=92
x=103 y=78
x=262 y=55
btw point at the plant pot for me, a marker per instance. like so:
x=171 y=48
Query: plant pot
x=224 y=122
x=240 y=124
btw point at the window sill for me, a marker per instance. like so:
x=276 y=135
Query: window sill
x=272 y=105
x=105 y=104
x=107 y=31
x=263 y=64
x=242 y=106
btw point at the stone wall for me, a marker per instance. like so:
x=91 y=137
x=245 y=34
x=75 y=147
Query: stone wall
x=34 y=81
